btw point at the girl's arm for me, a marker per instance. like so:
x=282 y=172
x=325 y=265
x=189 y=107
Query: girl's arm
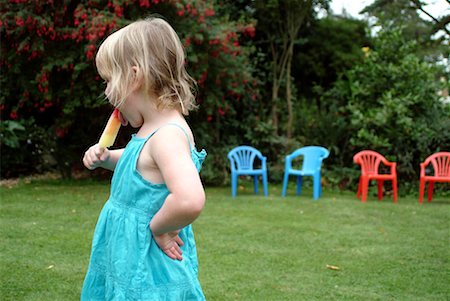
x=187 y=196
x=97 y=156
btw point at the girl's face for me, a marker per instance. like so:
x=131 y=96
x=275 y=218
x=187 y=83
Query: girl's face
x=122 y=118
x=130 y=108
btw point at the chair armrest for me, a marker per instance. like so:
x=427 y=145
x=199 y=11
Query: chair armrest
x=422 y=169
x=263 y=162
x=319 y=166
x=392 y=165
x=233 y=168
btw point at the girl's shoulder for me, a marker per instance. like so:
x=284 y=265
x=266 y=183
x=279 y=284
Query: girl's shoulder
x=173 y=136
x=175 y=131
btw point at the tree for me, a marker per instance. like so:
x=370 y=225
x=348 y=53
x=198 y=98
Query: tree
x=331 y=46
x=405 y=14
x=390 y=103
x=281 y=21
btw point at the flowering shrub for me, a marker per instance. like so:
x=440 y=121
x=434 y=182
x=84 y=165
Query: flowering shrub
x=49 y=77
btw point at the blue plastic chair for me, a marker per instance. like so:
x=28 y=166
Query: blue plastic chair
x=312 y=163
x=242 y=163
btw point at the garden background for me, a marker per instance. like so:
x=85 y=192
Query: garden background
x=276 y=75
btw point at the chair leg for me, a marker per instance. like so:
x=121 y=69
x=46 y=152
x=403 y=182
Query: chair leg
x=430 y=191
x=364 y=189
x=299 y=185
x=320 y=187
x=421 y=190
x=255 y=184
x=234 y=179
x=394 y=187
x=380 y=189
x=285 y=183
x=316 y=187
x=265 y=184
x=358 y=194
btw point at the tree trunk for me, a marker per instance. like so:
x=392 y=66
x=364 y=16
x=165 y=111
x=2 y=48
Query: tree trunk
x=275 y=89
x=289 y=92
x=275 y=86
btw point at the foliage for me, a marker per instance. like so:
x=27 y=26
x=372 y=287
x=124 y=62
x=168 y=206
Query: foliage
x=417 y=23
x=49 y=76
x=9 y=131
x=331 y=46
x=390 y=104
x=52 y=106
x=27 y=148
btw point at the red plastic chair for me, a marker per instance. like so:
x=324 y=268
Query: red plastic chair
x=370 y=163
x=441 y=165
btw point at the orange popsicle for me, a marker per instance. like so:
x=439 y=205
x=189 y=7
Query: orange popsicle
x=110 y=132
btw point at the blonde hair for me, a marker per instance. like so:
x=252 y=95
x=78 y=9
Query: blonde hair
x=154 y=47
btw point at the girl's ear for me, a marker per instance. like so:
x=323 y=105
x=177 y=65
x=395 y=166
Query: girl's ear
x=137 y=78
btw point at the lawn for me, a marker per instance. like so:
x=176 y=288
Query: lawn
x=250 y=248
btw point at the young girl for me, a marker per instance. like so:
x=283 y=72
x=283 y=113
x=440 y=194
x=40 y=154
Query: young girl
x=143 y=246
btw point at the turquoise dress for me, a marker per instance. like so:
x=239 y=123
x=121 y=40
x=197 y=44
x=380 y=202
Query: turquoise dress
x=126 y=263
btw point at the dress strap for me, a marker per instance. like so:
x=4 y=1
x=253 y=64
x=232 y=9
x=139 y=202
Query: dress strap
x=174 y=124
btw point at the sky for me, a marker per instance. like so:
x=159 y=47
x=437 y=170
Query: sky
x=353 y=7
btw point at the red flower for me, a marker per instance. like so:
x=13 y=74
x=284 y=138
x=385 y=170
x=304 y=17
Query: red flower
x=209 y=12
x=144 y=3
x=214 y=42
x=60 y=132
x=118 y=10
x=90 y=52
x=202 y=80
x=20 y=22
x=33 y=55
x=13 y=115
x=250 y=31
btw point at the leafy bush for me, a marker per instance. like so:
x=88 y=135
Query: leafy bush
x=390 y=103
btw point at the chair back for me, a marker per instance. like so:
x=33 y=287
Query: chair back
x=312 y=157
x=369 y=161
x=242 y=157
x=441 y=164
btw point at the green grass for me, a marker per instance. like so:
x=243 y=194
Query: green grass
x=250 y=247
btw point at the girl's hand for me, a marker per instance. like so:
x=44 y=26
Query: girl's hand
x=95 y=157
x=170 y=244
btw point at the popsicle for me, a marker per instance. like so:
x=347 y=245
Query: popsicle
x=110 y=132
